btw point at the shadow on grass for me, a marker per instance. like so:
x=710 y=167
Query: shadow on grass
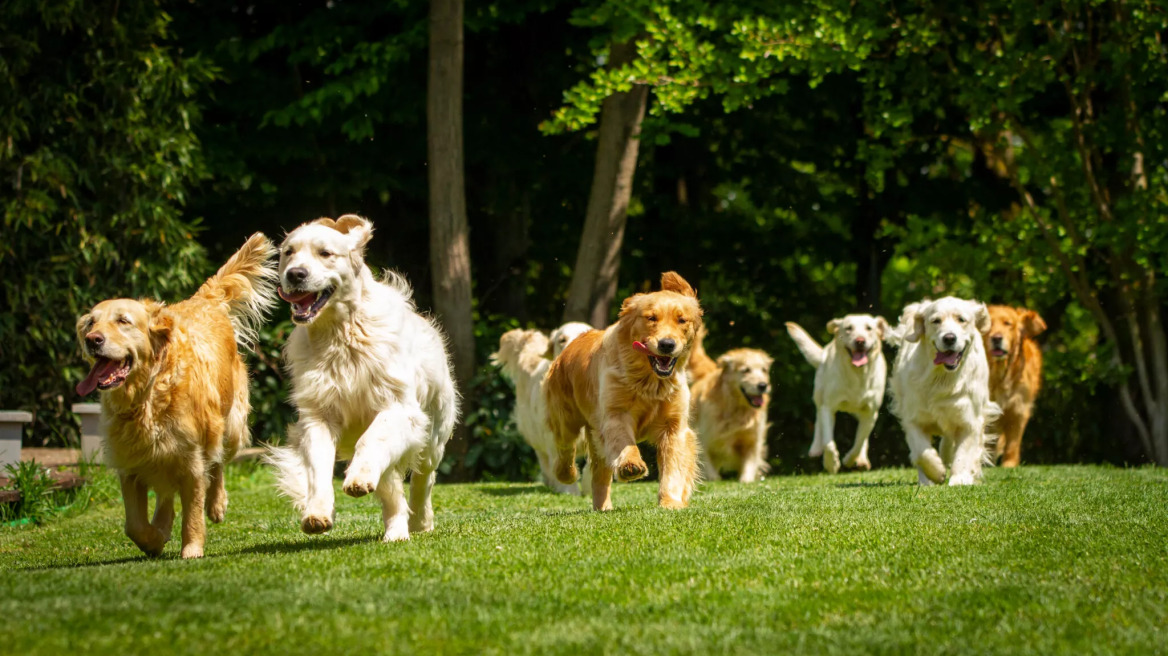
x=296 y=546
x=513 y=491
x=97 y=563
x=876 y=484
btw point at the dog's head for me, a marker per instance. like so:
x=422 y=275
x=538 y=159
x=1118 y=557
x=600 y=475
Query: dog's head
x=662 y=326
x=861 y=334
x=319 y=262
x=513 y=345
x=951 y=325
x=1008 y=327
x=120 y=338
x=564 y=335
x=748 y=371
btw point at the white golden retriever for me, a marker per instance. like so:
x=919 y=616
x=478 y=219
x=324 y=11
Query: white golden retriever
x=370 y=377
x=729 y=413
x=940 y=387
x=850 y=376
x=522 y=356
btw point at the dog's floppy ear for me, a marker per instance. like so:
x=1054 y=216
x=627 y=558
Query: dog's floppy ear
x=833 y=326
x=82 y=324
x=358 y=227
x=918 y=327
x=629 y=304
x=882 y=326
x=1032 y=324
x=672 y=282
x=982 y=317
x=326 y=222
x=161 y=325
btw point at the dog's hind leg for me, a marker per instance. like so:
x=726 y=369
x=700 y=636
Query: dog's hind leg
x=922 y=454
x=857 y=456
x=1010 y=443
x=216 y=494
x=163 y=512
x=392 y=434
x=395 y=514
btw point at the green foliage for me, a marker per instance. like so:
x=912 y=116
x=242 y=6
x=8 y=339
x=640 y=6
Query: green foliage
x=35 y=486
x=271 y=411
x=98 y=156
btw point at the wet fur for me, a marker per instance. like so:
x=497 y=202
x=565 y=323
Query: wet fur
x=602 y=384
x=372 y=382
x=933 y=401
x=1015 y=378
x=732 y=432
x=182 y=411
x=842 y=387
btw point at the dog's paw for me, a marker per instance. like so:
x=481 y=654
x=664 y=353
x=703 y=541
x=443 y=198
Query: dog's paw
x=630 y=466
x=217 y=512
x=852 y=462
x=421 y=524
x=358 y=488
x=396 y=532
x=815 y=451
x=931 y=466
x=150 y=540
x=672 y=504
x=963 y=478
x=192 y=551
x=831 y=459
x=315 y=524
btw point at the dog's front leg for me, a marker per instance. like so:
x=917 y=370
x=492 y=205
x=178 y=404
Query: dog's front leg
x=968 y=452
x=392 y=434
x=600 y=483
x=825 y=438
x=149 y=539
x=193 y=492
x=923 y=455
x=857 y=456
x=618 y=444
x=677 y=461
x=319 y=451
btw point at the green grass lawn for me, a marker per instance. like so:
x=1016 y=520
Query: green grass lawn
x=1039 y=560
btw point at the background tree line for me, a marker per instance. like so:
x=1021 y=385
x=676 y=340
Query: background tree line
x=796 y=162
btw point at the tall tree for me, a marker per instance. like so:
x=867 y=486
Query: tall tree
x=598 y=259
x=449 y=238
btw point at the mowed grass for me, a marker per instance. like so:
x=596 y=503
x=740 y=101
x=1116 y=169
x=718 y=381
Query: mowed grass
x=1038 y=560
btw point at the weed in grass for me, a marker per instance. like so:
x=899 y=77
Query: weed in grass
x=36 y=491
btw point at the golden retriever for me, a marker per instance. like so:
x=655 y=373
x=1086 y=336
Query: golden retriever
x=174 y=394
x=850 y=374
x=730 y=414
x=371 y=380
x=940 y=386
x=628 y=383
x=521 y=356
x=1015 y=373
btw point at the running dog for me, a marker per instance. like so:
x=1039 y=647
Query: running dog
x=628 y=383
x=371 y=379
x=850 y=374
x=1015 y=373
x=174 y=394
x=730 y=414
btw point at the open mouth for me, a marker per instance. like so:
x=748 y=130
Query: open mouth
x=859 y=358
x=999 y=352
x=755 y=400
x=662 y=365
x=106 y=374
x=306 y=305
x=949 y=358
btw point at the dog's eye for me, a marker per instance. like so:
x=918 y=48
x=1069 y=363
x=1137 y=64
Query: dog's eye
x=960 y=319
x=937 y=320
x=1007 y=324
x=848 y=329
x=681 y=320
x=287 y=252
x=125 y=322
x=653 y=317
x=324 y=253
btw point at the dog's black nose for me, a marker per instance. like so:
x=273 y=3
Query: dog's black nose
x=94 y=340
x=762 y=388
x=296 y=275
x=949 y=339
x=860 y=341
x=666 y=345
x=996 y=339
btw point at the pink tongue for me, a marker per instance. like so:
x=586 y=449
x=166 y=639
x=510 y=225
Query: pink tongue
x=298 y=299
x=859 y=359
x=637 y=346
x=756 y=401
x=100 y=370
x=946 y=357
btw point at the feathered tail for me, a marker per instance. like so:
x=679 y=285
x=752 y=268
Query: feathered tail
x=245 y=286
x=810 y=349
x=520 y=354
x=700 y=363
x=291 y=470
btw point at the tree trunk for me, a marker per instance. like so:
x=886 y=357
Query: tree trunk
x=598 y=259
x=449 y=239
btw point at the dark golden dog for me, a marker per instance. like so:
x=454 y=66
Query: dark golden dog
x=1015 y=373
x=627 y=384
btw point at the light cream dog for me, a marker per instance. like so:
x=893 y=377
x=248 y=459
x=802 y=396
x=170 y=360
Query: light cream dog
x=940 y=386
x=370 y=377
x=730 y=414
x=850 y=374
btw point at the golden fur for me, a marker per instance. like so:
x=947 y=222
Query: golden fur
x=700 y=363
x=175 y=394
x=1015 y=373
x=604 y=383
x=730 y=414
